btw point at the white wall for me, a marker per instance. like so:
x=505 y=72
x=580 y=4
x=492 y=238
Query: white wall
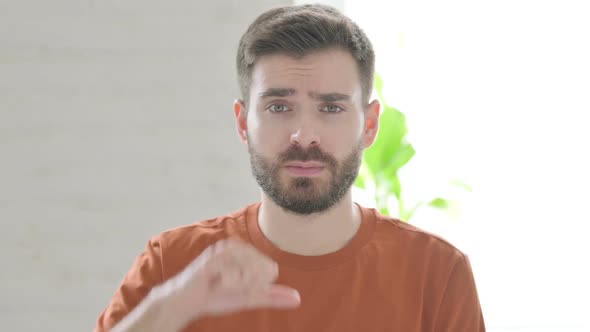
x=115 y=124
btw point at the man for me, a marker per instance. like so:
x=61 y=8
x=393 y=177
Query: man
x=306 y=258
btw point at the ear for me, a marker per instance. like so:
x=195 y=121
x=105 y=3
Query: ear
x=241 y=119
x=371 y=122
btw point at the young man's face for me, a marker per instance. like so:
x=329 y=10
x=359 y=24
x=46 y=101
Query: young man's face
x=305 y=128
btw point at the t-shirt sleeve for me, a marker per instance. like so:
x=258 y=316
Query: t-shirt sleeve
x=145 y=273
x=460 y=309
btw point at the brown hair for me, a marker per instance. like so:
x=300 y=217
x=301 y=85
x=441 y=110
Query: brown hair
x=300 y=30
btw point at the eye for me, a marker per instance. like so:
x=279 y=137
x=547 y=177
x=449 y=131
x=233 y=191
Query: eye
x=278 y=108
x=332 y=109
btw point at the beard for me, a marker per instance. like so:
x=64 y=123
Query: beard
x=306 y=195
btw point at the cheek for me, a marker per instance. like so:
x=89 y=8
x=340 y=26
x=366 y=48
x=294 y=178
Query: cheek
x=267 y=138
x=344 y=135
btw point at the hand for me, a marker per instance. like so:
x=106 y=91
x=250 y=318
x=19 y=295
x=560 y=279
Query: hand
x=229 y=276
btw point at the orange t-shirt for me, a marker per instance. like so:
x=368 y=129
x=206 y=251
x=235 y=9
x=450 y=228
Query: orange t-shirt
x=390 y=277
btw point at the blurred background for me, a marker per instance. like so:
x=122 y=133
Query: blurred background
x=116 y=123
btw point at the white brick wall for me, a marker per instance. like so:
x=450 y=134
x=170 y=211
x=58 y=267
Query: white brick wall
x=116 y=123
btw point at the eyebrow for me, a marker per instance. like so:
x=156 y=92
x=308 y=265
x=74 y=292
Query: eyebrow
x=329 y=97
x=277 y=92
x=324 y=97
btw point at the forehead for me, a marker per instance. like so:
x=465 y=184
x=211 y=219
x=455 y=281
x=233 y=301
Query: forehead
x=326 y=71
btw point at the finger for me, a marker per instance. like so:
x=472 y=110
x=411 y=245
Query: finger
x=274 y=297
x=230 y=278
x=260 y=274
x=284 y=295
x=225 y=273
x=254 y=269
x=258 y=268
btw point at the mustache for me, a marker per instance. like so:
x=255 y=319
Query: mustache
x=296 y=153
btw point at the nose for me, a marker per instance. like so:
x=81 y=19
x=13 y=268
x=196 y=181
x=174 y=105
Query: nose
x=305 y=136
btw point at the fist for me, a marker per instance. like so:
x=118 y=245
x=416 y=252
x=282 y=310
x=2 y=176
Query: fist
x=227 y=277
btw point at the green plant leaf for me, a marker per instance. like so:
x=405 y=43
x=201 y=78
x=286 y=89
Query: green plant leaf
x=364 y=177
x=360 y=181
x=440 y=203
x=392 y=130
x=388 y=154
x=402 y=156
x=396 y=187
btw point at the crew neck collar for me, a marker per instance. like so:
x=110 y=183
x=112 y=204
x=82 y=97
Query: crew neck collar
x=285 y=258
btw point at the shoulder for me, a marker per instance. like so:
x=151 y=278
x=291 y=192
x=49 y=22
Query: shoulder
x=178 y=246
x=413 y=240
x=231 y=224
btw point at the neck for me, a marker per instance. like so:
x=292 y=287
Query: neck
x=310 y=235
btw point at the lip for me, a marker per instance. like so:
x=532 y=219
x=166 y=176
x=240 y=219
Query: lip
x=304 y=168
x=305 y=164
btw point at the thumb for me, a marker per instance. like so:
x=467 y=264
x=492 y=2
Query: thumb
x=275 y=297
